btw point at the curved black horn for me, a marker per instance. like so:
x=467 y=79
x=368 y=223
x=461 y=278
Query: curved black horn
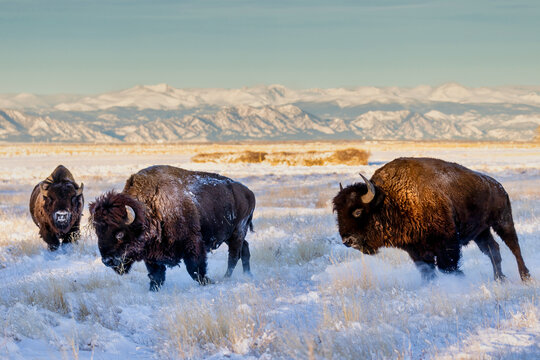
x=130 y=215
x=340 y=187
x=370 y=195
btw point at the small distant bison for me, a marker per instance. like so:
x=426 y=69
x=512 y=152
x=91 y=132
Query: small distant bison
x=430 y=208
x=56 y=205
x=166 y=214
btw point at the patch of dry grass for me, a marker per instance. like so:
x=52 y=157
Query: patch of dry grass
x=354 y=325
x=19 y=238
x=230 y=157
x=350 y=156
x=289 y=240
x=196 y=328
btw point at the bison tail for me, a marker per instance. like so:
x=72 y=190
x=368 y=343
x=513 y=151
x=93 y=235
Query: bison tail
x=250 y=223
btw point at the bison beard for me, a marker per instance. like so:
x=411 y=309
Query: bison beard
x=429 y=208
x=56 y=206
x=167 y=214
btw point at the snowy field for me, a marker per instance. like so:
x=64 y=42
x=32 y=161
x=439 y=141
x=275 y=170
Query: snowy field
x=310 y=296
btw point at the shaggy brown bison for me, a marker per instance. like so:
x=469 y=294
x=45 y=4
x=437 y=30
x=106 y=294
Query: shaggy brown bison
x=166 y=214
x=56 y=205
x=429 y=208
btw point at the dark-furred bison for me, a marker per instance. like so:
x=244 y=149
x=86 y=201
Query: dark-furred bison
x=166 y=214
x=56 y=205
x=429 y=208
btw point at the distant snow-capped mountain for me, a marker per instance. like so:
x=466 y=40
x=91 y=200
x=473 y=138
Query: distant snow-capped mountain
x=167 y=114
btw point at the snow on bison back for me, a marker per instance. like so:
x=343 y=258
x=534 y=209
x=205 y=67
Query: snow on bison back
x=430 y=208
x=166 y=214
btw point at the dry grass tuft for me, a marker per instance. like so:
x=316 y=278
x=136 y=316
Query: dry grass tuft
x=231 y=157
x=233 y=322
x=350 y=156
x=20 y=238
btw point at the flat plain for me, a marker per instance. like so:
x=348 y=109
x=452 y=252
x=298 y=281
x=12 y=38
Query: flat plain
x=310 y=296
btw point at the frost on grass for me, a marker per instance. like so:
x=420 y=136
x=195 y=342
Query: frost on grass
x=310 y=297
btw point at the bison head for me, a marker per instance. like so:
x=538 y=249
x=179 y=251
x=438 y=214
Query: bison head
x=355 y=206
x=118 y=220
x=63 y=201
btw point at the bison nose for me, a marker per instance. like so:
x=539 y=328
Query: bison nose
x=348 y=240
x=62 y=217
x=109 y=261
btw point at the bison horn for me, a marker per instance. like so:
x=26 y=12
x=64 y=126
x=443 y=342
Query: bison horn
x=130 y=215
x=370 y=195
x=80 y=189
x=340 y=187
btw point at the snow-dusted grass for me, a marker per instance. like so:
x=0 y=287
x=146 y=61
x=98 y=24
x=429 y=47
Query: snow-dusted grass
x=310 y=297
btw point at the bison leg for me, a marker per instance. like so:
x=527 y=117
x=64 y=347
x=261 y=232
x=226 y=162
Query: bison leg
x=234 y=256
x=245 y=258
x=425 y=263
x=236 y=245
x=196 y=267
x=156 y=273
x=507 y=232
x=50 y=238
x=73 y=235
x=489 y=246
x=448 y=260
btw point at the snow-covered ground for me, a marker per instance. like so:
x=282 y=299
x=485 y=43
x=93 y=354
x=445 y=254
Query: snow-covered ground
x=310 y=296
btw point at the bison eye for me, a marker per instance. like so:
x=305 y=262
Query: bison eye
x=357 y=213
x=119 y=235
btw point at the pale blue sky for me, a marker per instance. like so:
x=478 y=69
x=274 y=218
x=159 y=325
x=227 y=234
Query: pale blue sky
x=102 y=45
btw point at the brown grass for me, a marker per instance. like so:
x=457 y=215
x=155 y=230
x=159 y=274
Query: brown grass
x=232 y=322
x=350 y=156
x=229 y=157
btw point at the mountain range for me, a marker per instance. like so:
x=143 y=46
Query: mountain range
x=161 y=113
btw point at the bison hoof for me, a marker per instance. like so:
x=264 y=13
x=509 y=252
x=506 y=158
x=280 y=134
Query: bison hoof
x=154 y=286
x=525 y=277
x=53 y=247
x=500 y=278
x=206 y=281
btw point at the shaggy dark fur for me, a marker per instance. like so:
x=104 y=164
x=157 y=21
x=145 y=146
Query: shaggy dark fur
x=56 y=205
x=179 y=215
x=429 y=208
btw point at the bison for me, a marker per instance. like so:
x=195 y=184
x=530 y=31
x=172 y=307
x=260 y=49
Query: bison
x=430 y=208
x=166 y=214
x=56 y=205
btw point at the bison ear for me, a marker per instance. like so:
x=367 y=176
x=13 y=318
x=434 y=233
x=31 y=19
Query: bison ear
x=130 y=215
x=91 y=208
x=45 y=188
x=80 y=190
x=357 y=213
